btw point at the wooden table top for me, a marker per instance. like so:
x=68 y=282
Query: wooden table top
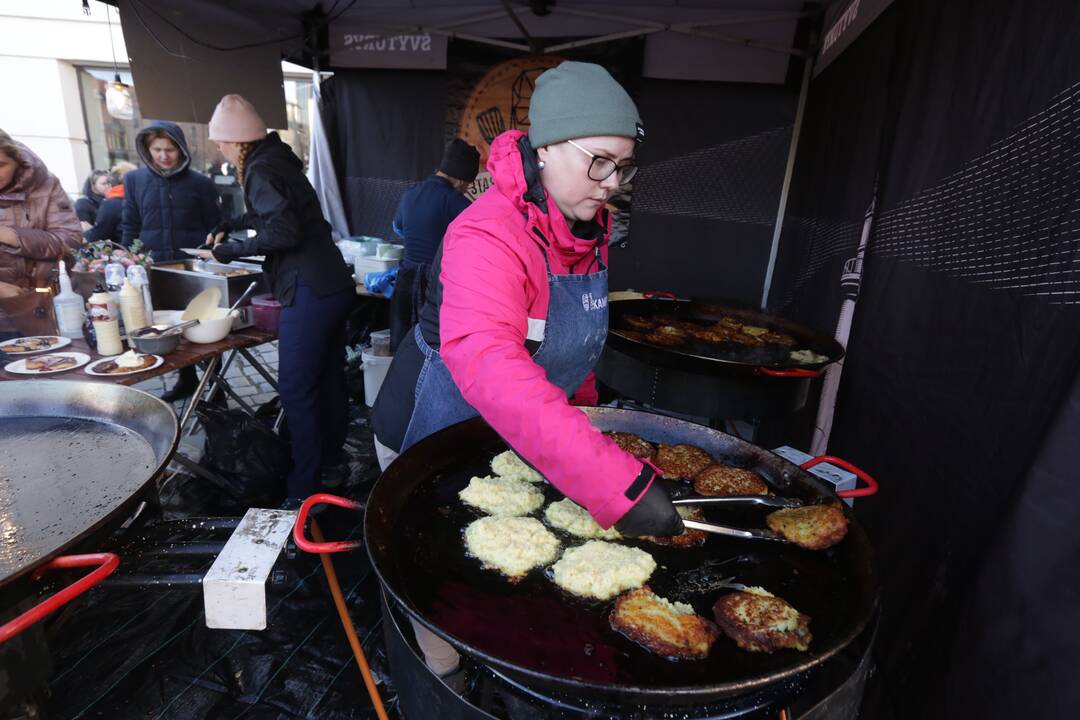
x=185 y=355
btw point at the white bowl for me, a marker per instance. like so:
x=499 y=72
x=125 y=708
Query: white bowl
x=210 y=330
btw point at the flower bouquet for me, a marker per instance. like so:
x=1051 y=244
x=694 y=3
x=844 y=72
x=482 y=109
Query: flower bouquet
x=90 y=259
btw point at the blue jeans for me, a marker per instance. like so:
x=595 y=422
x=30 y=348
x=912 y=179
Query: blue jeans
x=311 y=378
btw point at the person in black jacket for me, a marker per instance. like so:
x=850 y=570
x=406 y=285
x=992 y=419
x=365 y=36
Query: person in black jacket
x=94 y=190
x=308 y=277
x=111 y=211
x=168 y=206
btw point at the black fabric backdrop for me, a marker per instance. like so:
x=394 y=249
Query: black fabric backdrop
x=705 y=201
x=385 y=129
x=965 y=340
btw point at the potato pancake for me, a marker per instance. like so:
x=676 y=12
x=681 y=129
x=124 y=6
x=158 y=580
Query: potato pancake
x=814 y=527
x=759 y=621
x=602 y=570
x=502 y=496
x=681 y=461
x=670 y=629
x=511 y=545
x=722 y=480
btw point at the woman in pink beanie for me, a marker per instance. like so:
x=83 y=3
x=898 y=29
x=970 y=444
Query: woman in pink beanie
x=308 y=277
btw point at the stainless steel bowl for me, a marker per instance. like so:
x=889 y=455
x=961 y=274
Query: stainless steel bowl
x=154 y=344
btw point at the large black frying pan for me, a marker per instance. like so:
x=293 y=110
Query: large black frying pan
x=538 y=634
x=74 y=457
x=704 y=357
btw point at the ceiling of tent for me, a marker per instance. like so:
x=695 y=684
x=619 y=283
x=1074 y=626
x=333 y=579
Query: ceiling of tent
x=282 y=21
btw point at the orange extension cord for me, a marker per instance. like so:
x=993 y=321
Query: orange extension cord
x=346 y=622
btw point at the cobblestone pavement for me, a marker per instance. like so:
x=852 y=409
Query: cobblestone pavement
x=243 y=378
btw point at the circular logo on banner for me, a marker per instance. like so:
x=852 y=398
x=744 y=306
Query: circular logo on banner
x=500 y=101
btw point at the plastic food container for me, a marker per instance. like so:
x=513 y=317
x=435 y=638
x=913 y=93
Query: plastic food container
x=380 y=343
x=365 y=265
x=375 y=369
x=265 y=313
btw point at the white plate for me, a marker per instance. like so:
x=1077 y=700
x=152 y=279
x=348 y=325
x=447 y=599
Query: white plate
x=61 y=341
x=19 y=366
x=91 y=368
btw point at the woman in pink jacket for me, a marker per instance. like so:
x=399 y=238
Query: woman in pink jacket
x=516 y=315
x=516 y=311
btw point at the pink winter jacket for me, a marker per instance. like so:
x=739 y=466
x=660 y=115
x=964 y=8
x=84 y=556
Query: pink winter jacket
x=494 y=280
x=44 y=220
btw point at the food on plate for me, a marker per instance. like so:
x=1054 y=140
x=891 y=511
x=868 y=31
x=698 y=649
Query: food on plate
x=568 y=516
x=667 y=335
x=632 y=334
x=687 y=538
x=130 y=361
x=50 y=363
x=721 y=480
x=30 y=344
x=808 y=357
x=508 y=464
x=814 y=527
x=511 y=545
x=638 y=322
x=602 y=570
x=502 y=496
x=636 y=445
x=681 y=461
x=671 y=629
x=759 y=621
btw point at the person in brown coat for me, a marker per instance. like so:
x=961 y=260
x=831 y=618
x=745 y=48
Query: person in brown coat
x=37 y=220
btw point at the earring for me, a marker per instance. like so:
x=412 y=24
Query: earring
x=541 y=164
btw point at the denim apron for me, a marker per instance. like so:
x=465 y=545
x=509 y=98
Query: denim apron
x=574 y=336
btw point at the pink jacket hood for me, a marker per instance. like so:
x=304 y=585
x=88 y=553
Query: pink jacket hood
x=494 y=297
x=505 y=165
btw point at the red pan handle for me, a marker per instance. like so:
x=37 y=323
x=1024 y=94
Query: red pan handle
x=310 y=546
x=871 y=484
x=105 y=564
x=649 y=294
x=790 y=373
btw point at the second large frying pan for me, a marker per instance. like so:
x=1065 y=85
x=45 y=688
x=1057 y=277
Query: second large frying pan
x=706 y=357
x=537 y=633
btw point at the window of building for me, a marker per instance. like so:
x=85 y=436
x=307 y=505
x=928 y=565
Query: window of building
x=113 y=139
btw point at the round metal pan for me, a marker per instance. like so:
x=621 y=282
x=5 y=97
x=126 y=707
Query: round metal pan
x=708 y=358
x=73 y=456
x=537 y=633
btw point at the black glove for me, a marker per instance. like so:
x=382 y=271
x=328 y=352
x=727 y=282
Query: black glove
x=227 y=251
x=653 y=513
x=224 y=226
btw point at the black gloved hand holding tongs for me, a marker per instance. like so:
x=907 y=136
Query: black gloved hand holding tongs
x=771 y=501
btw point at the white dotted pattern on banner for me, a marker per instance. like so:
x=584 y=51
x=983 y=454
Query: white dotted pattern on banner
x=737 y=181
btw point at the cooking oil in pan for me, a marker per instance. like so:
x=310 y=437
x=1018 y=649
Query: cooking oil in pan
x=59 y=477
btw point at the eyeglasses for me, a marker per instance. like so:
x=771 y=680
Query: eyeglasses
x=601 y=168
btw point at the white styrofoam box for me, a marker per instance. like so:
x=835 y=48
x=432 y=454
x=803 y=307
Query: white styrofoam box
x=234 y=591
x=365 y=265
x=840 y=478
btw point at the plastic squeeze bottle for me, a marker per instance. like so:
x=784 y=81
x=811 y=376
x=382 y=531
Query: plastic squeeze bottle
x=69 y=306
x=106 y=326
x=131 y=308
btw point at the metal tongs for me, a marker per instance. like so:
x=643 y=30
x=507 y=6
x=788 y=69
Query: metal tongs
x=773 y=501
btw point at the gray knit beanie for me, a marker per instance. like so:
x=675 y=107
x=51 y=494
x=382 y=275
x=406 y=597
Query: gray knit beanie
x=577 y=100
